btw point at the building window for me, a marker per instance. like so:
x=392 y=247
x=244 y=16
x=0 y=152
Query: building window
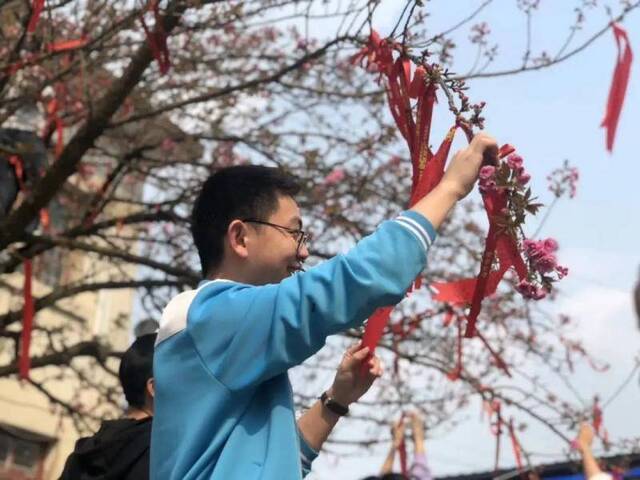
x=22 y=454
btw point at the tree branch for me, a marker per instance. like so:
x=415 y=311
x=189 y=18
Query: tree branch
x=242 y=86
x=83 y=140
x=556 y=60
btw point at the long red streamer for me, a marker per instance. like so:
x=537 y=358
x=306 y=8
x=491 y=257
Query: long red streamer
x=496 y=429
x=157 y=39
x=27 y=322
x=473 y=291
x=401 y=88
x=597 y=417
x=375 y=327
x=428 y=170
x=36 y=10
x=402 y=451
x=66 y=45
x=619 y=84
x=517 y=449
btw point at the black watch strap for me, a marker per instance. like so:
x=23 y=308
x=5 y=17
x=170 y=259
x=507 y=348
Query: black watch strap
x=333 y=406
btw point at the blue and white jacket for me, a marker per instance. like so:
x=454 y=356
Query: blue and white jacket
x=223 y=403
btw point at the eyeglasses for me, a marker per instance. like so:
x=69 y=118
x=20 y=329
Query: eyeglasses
x=300 y=236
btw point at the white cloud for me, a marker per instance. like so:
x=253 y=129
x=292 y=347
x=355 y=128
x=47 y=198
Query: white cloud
x=606 y=321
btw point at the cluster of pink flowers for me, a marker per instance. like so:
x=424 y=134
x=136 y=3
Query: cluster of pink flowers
x=510 y=178
x=563 y=180
x=531 y=290
x=542 y=258
x=487 y=175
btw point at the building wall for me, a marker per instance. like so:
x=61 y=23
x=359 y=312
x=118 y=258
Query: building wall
x=103 y=315
x=22 y=405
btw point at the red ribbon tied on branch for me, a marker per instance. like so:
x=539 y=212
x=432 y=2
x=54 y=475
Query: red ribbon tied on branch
x=498 y=243
x=27 y=323
x=401 y=88
x=36 y=10
x=503 y=187
x=157 y=38
x=515 y=444
x=506 y=200
x=619 y=84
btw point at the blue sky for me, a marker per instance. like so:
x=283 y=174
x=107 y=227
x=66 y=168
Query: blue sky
x=552 y=115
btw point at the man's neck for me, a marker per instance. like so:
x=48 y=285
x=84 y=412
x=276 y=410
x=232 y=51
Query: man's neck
x=228 y=272
x=139 y=413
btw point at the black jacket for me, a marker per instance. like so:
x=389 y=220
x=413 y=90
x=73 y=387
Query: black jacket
x=119 y=451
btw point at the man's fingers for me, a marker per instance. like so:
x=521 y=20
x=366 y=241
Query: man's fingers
x=354 y=357
x=487 y=146
x=361 y=354
x=481 y=141
x=377 y=368
x=353 y=348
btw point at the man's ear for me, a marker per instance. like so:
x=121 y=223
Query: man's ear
x=237 y=233
x=151 y=388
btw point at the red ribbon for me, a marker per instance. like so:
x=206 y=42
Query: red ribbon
x=496 y=242
x=597 y=417
x=517 y=449
x=16 y=162
x=157 y=39
x=54 y=47
x=473 y=291
x=496 y=428
x=427 y=172
x=619 y=84
x=428 y=169
x=402 y=452
x=24 y=362
x=27 y=323
x=66 y=45
x=36 y=11
x=375 y=327
x=55 y=121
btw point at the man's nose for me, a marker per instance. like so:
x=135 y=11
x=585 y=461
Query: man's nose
x=303 y=252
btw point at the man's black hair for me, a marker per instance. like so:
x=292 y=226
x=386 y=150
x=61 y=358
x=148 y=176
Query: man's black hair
x=244 y=191
x=136 y=367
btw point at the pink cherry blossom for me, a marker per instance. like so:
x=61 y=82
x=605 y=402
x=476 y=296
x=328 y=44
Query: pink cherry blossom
x=395 y=160
x=532 y=248
x=487 y=181
x=526 y=288
x=539 y=293
x=550 y=245
x=564 y=180
x=167 y=144
x=336 y=176
x=562 y=271
x=515 y=161
x=487 y=172
x=546 y=263
x=529 y=290
x=488 y=185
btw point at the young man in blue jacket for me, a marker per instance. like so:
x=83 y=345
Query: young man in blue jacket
x=224 y=406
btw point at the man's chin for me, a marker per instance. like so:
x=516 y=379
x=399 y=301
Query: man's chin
x=292 y=271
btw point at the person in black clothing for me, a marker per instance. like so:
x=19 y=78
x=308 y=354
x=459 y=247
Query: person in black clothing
x=120 y=449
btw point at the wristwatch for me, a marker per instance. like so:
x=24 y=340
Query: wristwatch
x=333 y=406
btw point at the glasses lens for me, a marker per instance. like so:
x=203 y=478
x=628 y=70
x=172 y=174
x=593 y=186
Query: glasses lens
x=303 y=239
